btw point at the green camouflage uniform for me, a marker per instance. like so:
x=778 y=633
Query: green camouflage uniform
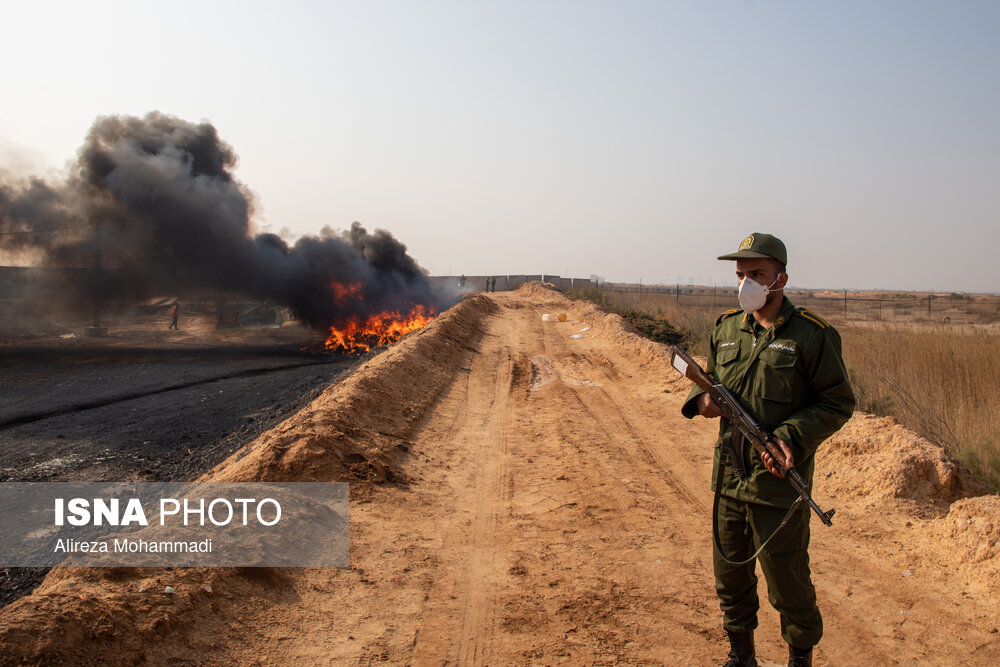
x=792 y=380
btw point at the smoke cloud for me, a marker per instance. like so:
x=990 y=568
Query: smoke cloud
x=158 y=195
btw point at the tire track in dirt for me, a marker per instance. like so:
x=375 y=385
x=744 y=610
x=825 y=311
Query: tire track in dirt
x=608 y=403
x=459 y=619
x=479 y=621
x=642 y=519
x=534 y=569
x=654 y=447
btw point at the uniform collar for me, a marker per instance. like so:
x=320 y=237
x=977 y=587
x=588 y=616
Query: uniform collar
x=785 y=314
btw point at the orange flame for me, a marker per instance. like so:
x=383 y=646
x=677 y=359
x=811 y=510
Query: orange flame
x=360 y=334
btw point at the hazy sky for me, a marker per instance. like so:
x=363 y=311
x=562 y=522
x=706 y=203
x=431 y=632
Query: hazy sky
x=625 y=139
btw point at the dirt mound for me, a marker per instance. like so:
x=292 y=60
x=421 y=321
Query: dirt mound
x=539 y=291
x=974 y=525
x=971 y=531
x=358 y=429
x=89 y=616
x=877 y=460
x=355 y=430
x=653 y=357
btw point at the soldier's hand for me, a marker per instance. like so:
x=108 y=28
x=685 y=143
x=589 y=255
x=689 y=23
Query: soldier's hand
x=707 y=407
x=770 y=463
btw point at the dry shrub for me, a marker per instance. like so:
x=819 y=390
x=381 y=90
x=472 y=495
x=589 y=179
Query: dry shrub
x=938 y=380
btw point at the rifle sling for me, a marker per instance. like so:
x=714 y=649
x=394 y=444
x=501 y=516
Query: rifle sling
x=715 y=522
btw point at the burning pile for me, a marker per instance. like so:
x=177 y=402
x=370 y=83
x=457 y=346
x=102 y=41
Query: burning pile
x=361 y=333
x=158 y=198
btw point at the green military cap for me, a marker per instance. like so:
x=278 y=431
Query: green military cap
x=760 y=246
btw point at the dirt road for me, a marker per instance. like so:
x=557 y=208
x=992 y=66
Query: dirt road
x=560 y=513
x=548 y=520
x=552 y=506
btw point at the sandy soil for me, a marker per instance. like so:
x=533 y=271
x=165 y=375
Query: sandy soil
x=523 y=497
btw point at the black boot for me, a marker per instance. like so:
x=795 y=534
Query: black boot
x=741 y=651
x=800 y=657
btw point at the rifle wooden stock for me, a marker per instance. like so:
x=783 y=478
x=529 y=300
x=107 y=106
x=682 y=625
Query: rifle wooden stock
x=689 y=368
x=744 y=427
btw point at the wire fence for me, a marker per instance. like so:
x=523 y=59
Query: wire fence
x=888 y=306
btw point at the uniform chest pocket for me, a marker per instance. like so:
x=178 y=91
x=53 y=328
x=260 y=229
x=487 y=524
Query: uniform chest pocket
x=777 y=375
x=725 y=361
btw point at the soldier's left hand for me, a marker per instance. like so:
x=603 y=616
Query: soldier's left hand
x=769 y=460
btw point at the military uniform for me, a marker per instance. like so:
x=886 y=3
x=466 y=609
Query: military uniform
x=792 y=380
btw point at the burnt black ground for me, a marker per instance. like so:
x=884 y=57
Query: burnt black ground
x=143 y=414
x=126 y=410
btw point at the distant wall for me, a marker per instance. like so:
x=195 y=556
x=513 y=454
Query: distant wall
x=511 y=281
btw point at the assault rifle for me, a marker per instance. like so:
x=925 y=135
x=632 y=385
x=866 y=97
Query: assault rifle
x=744 y=427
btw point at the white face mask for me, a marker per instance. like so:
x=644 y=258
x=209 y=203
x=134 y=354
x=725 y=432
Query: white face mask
x=753 y=295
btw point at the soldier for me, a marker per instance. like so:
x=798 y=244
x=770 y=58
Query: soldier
x=784 y=364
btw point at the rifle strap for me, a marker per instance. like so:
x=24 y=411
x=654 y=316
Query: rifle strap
x=715 y=522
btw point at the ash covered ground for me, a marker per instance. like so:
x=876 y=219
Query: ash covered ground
x=144 y=403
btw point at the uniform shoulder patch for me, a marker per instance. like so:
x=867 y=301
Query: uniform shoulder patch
x=728 y=313
x=814 y=318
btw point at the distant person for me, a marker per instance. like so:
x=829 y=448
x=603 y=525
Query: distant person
x=174 y=312
x=492 y=284
x=461 y=281
x=785 y=365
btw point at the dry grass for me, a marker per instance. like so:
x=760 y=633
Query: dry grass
x=696 y=324
x=938 y=379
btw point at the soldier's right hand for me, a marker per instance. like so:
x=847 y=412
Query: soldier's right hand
x=707 y=407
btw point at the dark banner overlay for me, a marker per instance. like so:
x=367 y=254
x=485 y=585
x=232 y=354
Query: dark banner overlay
x=173 y=524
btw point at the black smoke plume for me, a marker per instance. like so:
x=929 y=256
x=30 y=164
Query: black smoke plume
x=157 y=195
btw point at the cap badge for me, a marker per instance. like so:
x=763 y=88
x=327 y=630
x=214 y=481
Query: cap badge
x=747 y=243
